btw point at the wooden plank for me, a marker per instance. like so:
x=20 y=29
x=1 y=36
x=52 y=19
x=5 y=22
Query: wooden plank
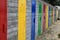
x=40 y=18
x=46 y=16
x=33 y=20
x=3 y=20
x=21 y=19
x=56 y=13
x=53 y=16
x=49 y=17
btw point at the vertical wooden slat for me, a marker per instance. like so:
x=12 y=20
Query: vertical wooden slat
x=21 y=19
x=46 y=16
x=53 y=16
x=33 y=11
x=40 y=18
x=3 y=20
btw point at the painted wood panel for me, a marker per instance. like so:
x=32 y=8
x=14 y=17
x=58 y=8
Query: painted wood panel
x=40 y=18
x=21 y=19
x=33 y=11
x=46 y=16
x=3 y=20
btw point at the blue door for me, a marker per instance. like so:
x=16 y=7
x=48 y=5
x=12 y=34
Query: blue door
x=33 y=20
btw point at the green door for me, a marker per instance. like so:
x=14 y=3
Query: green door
x=39 y=18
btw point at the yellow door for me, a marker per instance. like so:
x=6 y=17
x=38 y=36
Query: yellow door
x=21 y=19
x=46 y=16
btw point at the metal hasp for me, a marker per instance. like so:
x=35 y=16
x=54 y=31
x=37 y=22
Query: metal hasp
x=40 y=18
x=33 y=19
x=44 y=18
x=21 y=19
x=3 y=19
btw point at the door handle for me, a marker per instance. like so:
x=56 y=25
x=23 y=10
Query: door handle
x=40 y=18
x=34 y=20
x=44 y=17
x=3 y=28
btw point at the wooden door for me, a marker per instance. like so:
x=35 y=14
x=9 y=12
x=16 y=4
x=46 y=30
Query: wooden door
x=3 y=20
x=40 y=18
x=44 y=18
x=33 y=11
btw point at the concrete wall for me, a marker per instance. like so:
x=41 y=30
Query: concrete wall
x=12 y=19
x=59 y=13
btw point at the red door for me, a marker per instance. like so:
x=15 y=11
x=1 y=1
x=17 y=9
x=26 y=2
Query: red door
x=44 y=18
x=3 y=20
